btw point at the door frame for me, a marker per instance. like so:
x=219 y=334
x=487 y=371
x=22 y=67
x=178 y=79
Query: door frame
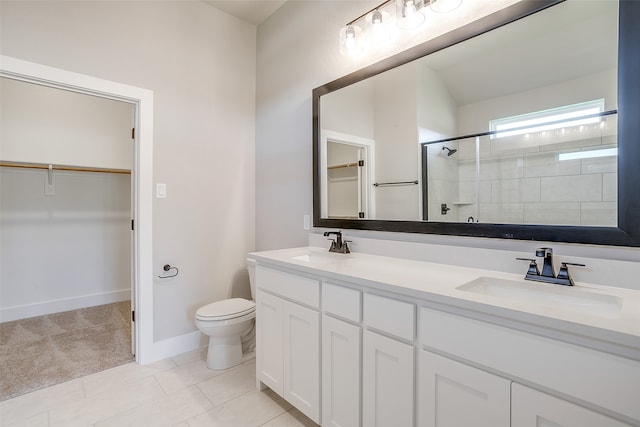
x=142 y=176
x=367 y=179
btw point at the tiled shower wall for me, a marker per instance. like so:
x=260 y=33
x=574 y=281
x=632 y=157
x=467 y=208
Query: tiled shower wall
x=521 y=180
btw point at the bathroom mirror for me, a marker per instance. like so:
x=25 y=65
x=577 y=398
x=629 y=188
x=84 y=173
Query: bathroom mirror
x=514 y=126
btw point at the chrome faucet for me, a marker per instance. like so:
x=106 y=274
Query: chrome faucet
x=548 y=274
x=337 y=244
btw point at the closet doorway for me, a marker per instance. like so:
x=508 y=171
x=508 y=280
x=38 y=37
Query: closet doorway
x=66 y=246
x=141 y=101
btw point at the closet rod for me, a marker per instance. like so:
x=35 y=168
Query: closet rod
x=344 y=165
x=63 y=168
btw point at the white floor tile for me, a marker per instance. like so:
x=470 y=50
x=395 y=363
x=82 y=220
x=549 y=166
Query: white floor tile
x=167 y=411
x=251 y=409
x=292 y=418
x=177 y=392
x=116 y=378
x=231 y=384
x=185 y=375
x=105 y=405
x=191 y=356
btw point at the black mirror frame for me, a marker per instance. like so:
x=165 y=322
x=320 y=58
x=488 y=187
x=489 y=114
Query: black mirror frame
x=628 y=231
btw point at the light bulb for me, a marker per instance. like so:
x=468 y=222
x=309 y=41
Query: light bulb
x=349 y=44
x=408 y=13
x=378 y=31
x=376 y=17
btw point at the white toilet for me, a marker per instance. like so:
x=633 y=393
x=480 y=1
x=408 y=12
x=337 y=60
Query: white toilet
x=230 y=325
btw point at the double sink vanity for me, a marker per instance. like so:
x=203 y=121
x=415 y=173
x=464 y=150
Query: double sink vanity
x=364 y=340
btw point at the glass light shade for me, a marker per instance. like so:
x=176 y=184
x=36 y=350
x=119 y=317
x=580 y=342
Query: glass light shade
x=378 y=28
x=444 y=6
x=408 y=13
x=350 y=40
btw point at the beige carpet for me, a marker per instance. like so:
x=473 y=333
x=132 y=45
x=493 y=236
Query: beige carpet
x=42 y=351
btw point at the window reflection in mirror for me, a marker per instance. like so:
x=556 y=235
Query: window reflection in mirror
x=412 y=112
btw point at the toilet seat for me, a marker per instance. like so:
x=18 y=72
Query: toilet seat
x=226 y=309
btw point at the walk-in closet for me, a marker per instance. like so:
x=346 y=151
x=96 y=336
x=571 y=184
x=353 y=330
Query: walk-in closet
x=65 y=235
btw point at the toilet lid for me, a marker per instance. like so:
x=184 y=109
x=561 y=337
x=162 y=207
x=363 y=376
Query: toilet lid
x=225 y=309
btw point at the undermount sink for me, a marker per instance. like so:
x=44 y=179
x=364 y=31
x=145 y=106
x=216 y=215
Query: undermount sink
x=548 y=296
x=320 y=257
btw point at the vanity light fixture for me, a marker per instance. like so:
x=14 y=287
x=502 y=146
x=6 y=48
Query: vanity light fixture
x=375 y=27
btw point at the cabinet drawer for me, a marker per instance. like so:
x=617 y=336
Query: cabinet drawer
x=341 y=301
x=390 y=316
x=291 y=286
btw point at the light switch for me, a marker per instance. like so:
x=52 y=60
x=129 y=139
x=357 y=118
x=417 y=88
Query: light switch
x=306 y=222
x=161 y=191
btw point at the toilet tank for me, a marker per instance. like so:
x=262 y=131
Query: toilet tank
x=251 y=267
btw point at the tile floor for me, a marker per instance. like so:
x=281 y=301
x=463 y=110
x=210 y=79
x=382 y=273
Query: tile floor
x=179 y=392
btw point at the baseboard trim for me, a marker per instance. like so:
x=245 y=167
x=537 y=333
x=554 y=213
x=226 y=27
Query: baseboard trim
x=7 y=314
x=171 y=347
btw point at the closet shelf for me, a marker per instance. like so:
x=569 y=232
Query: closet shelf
x=62 y=167
x=343 y=165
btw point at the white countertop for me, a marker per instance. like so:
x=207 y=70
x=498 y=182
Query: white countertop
x=614 y=326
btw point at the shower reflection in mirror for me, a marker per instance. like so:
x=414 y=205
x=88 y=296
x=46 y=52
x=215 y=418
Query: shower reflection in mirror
x=553 y=169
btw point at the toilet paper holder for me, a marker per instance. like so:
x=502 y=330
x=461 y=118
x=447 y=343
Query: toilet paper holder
x=167 y=267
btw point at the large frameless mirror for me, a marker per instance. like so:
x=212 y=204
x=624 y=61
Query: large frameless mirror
x=517 y=132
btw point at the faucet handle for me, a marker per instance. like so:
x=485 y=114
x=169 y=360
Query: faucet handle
x=533 y=266
x=563 y=273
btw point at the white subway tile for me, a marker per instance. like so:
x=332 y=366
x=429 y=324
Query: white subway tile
x=501 y=213
x=547 y=164
x=501 y=168
x=610 y=187
x=529 y=190
x=505 y=191
x=552 y=213
x=604 y=214
x=572 y=188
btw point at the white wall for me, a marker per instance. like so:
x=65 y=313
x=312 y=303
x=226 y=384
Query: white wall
x=396 y=135
x=289 y=67
x=200 y=64
x=47 y=125
x=65 y=251
x=66 y=245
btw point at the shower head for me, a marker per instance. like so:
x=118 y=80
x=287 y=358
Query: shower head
x=450 y=151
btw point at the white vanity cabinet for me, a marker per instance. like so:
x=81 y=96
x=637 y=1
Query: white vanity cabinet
x=341 y=355
x=387 y=362
x=288 y=338
x=532 y=408
x=348 y=349
x=598 y=379
x=454 y=394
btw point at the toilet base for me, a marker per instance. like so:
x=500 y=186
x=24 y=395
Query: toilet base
x=224 y=352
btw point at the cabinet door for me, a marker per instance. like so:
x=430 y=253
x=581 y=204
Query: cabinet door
x=340 y=373
x=451 y=394
x=302 y=359
x=532 y=408
x=269 y=341
x=387 y=381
